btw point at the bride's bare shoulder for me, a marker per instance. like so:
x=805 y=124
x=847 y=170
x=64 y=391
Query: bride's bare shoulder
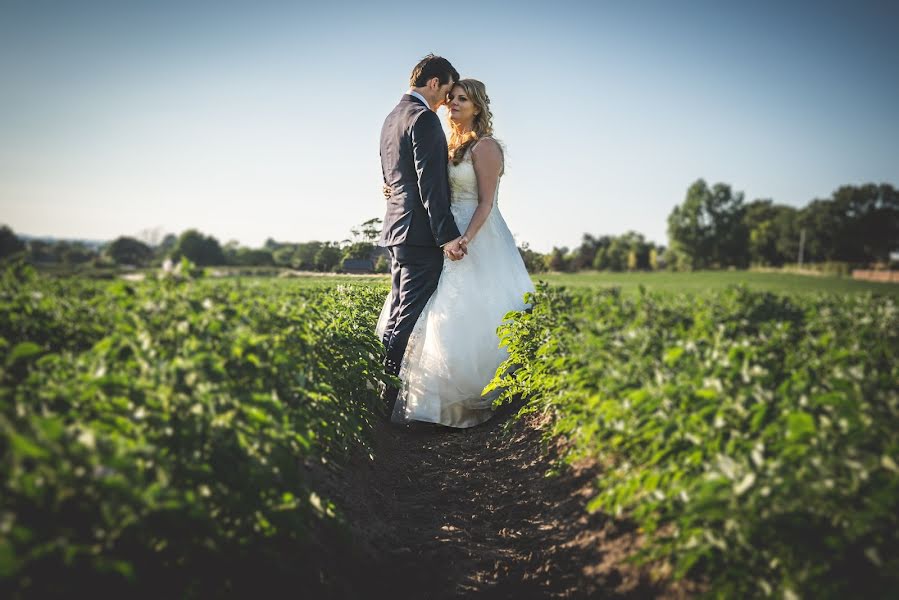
x=487 y=147
x=487 y=155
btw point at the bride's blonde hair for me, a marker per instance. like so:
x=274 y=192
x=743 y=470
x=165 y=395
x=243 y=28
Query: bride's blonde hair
x=481 y=127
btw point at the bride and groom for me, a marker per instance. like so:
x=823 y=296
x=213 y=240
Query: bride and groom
x=455 y=268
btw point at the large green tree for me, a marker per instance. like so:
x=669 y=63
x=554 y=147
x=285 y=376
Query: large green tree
x=283 y=256
x=823 y=226
x=869 y=217
x=626 y=252
x=126 y=250
x=253 y=257
x=533 y=260
x=304 y=256
x=557 y=260
x=198 y=248
x=365 y=238
x=328 y=257
x=166 y=246
x=707 y=230
x=9 y=242
x=773 y=239
x=585 y=254
x=75 y=253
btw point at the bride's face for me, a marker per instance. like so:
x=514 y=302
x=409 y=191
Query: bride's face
x=461 y=109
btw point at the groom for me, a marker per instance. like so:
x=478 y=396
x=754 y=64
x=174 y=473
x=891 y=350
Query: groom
x=419 y=230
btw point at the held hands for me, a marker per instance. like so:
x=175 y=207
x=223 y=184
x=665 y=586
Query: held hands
x=456 y=249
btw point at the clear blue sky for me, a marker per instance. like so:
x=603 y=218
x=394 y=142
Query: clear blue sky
x=250 y=120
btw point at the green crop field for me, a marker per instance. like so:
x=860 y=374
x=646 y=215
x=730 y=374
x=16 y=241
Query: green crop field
x=753 y=436
x=166 y=438
x=154 y=435
x=701 y=281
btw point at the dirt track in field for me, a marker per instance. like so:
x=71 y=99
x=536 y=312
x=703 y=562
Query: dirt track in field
x=447 y=513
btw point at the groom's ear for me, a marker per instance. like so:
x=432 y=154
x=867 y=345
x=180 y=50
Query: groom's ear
x=434 y=83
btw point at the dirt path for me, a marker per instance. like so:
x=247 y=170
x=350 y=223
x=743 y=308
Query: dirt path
x=470 y=513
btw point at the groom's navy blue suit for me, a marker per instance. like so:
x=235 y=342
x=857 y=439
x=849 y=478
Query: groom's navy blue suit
x=417 y=222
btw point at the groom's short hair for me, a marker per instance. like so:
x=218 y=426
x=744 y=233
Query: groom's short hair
x=433 y=66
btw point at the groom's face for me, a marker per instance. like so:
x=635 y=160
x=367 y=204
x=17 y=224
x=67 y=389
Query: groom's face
x=442 y=92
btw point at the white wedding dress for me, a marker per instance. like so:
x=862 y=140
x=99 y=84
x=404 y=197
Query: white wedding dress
x=454 y=351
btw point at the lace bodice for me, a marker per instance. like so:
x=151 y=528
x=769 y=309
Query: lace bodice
x=464 y=182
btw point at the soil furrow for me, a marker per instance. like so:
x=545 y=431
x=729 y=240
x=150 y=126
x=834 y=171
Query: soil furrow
x=445 y=513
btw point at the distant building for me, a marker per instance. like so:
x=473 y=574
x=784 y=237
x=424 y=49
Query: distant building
x=358 y=266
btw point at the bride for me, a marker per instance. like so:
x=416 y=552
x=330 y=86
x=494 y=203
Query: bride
x=453 y=351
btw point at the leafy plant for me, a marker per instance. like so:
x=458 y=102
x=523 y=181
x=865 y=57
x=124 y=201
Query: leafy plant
x=754 y=437
x=157 y=438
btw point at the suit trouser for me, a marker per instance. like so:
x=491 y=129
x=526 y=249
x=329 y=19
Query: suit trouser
x=415 y=271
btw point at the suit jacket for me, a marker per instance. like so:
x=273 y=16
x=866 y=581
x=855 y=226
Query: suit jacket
x=414 y=165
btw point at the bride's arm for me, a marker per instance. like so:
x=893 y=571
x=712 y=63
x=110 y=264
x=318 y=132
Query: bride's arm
x=487 y=159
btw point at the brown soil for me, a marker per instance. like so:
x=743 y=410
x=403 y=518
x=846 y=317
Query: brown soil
x=458 y=513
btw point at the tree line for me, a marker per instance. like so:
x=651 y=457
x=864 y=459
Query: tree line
x=857 y=226
x=202 y=250
x=713 y=228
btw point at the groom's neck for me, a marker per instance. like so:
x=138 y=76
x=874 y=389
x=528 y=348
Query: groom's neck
x=423 y=92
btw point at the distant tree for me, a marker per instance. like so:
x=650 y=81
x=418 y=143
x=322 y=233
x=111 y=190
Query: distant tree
x=760 y=220
x=129 y=251
x=9 y=242
x=369 y=231
x=868 y=217
x=254 y=257
x=76 y=253
x=688 y=228
x=823 y=227
x=165 y=247
x=201 y=250
x=639 y=248
x=601 y=259
x=857 y=224
x=615 y=256
x=556 y=260
x=672 y=260
x=39 y=251
x=328 y=257
x=787 y=232
x=584 y=254
x=304 y=256
x=707 y=229
x=382 y=265
x=229 y=251
x=533 y=261
x=618 y=253
x=358 y=251
x=364 y=240
x=284 y=256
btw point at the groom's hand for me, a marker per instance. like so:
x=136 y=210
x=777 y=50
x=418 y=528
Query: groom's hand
x=456 y=249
